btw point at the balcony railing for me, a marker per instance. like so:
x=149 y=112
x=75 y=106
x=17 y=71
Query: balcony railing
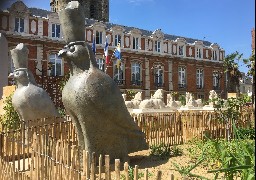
x=182 y=86
x=136 y=83
x=216 y=87
x=120 y=82
x=159 y=85
x=199 y=87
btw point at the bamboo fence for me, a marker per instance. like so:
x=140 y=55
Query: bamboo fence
x=51 y=151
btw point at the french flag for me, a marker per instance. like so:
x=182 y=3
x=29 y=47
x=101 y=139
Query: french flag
x=106 y=51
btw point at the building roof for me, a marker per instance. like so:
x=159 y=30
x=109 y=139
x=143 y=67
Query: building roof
x=44 y=13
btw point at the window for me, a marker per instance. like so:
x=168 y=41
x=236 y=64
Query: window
x=19 y=25
x=182 y=77
x=158 y=72
x=181 y=50
x=199 y=78
x=56 y=30
x=157 y=46
x=198 y=53
x=117 y=40
x=214 y=55
x=119 y=73
x=135 y=43
x=216 y=79
x=57 y=66
x=98 y=37
x=100 y=63
x=136 y=75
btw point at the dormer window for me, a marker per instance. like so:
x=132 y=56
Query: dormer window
x=214 y=55
x=135 y=44
x=117 y=39
x=98 y=37
x=157 y=46
x=55 y=30
x=198 y=53
x=19 y=25
x=181 y=49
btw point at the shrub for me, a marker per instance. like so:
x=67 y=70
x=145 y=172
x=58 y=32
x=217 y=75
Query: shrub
x=165 y=151
x=10 y=119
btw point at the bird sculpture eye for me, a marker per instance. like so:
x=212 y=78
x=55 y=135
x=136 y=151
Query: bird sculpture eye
x=72 y=48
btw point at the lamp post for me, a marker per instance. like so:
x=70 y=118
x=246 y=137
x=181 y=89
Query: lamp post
x=42 y=70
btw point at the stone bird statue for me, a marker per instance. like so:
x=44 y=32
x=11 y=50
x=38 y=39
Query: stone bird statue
x=92 y=98
x=29 y=100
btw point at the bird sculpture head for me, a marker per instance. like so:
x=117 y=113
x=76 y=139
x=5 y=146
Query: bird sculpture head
x=20 y=61
x=77 y=52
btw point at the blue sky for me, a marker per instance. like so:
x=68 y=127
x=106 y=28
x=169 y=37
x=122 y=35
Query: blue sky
x=226 y=22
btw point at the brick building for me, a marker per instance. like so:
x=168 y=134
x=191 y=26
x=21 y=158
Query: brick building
x=150 y=60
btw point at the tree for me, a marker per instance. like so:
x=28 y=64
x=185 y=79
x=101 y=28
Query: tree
x=250 y=63
x=230 y=64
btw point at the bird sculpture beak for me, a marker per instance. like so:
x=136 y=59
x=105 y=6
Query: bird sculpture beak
x=62 y=53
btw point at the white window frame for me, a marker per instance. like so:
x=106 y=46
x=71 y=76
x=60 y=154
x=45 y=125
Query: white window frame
x=101 y=64
x=118 y=38
x=135 y=43
x=157 y=46
x=98 y=37
x=181 y=76
x=54 y=59
x=159 y=76
x=214 y=55
x=55 y=34
x=199 y=53
x=216 y=81
x=136 y=71
x=18 y=25
x=199 y=78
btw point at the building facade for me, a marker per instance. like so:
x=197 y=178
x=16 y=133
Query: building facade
x=93 y=9
x=150 y=60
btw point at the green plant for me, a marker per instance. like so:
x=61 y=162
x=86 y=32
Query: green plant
x=10 y=119
x=185 y=171
x=131 y=174
x=61 y=111
x=130 y=94
x=182 y=99
x=64 y=80
x=165 y=151
x=246 y=133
